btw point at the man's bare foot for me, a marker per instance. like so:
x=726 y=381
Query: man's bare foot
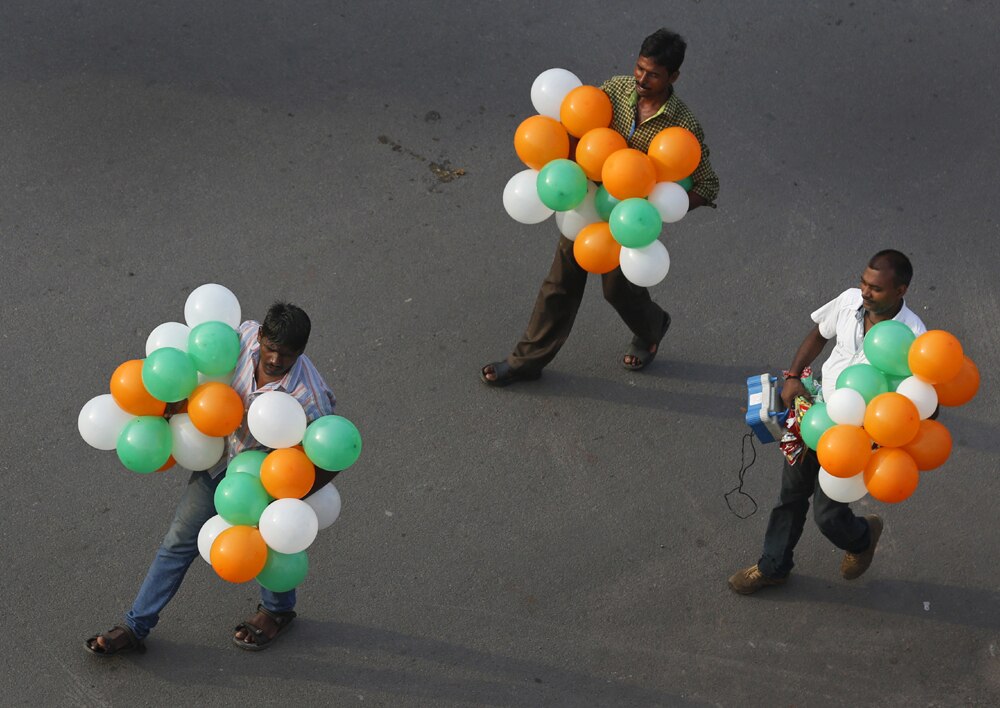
x=633 y=362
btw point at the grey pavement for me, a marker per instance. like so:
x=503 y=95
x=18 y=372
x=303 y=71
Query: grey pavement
x=559 y=543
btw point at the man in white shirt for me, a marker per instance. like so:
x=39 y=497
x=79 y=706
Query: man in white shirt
x=846 y=318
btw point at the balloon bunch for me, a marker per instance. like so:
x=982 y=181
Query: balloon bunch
x=889 y=403
x=264 y=526
x=192 y=361
x=619 y=221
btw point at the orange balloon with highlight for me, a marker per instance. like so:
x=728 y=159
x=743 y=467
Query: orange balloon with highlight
x=891 y=475
x=129 y=392
x=931 y=446
x=595 y=147
x=539 y=140
x=585 y=108
x=287 y=473
x=628 y=173
x=215 y=409
x=238 y=554
x=844 y=450
x=595 y=249
x=892 y=419
x=960 y=389
x=675 y=153
x=936 y=356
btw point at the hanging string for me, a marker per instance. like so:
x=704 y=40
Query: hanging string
x=744 y=466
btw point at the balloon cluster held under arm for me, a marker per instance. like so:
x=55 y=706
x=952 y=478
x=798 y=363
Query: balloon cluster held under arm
x=617 y=223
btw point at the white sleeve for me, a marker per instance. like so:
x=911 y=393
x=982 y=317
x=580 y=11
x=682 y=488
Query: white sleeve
x=826 y=317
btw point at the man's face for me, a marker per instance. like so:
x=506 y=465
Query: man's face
x=879 y=291
x=651 y=79
x=275 y=359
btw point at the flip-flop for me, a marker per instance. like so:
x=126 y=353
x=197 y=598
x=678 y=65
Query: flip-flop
x=280 y=620
x=639 y=348
x=119 y=639
x=505 y=375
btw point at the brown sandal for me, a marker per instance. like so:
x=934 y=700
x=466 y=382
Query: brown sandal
x=265 y=620
x=118 y=640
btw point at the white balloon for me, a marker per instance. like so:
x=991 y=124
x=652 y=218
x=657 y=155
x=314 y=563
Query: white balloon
x=670 y=200
x=101 y=421
x=520 y=199
x=842 y=489
x=645 y=266
x=209 y=532
x=221 y=378
x=571 y=222
x=168 y=334
x=923 y=395
x=192 y=449
x=276 y=420
x=846 y=407
x=212 y=303
x=326 y=503
x=288 y=525
x=550 y=88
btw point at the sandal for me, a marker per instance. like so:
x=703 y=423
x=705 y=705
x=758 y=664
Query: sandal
x=257 y=625
x=119 y=639
x=505 y=375
x=639 y=349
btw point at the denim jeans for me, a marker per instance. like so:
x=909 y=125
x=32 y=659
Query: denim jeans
x=178 y=550
x=835 y=519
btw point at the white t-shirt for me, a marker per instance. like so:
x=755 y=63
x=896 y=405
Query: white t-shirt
x=843 y=318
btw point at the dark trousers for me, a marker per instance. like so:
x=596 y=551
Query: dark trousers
x=835 y=519
x=559 y=299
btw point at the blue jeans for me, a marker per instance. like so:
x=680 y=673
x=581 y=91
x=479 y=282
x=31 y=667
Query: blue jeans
x=178 y=550
x=835 y=519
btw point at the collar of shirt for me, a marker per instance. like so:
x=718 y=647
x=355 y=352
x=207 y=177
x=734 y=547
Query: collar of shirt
x=633 y=100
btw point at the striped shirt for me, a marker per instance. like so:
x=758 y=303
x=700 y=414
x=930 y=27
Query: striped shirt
x=302 y=382
x=621 y=91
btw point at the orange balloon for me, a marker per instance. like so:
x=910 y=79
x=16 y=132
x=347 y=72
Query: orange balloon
x=287 y=473
x=595 y=147
x=585 y=108
x=675 y=153
x=891 y=475
x=843 y=450
x=931 y=446
x=628 y=173
x=168 y=464
x=960 y=389
x=130 y=394
x=238 y=554
x=936 y=356
x=892 y=419
x=215 y=409
x=595 y=249
x=539 y=140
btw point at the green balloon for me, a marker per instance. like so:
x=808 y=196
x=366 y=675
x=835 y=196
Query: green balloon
x=283 y=571
x=144 y=444
x=635 y=223
x=240 y=499
x=214 y=348
x=887 y=346
x=687 y=183
x=604 y=203
x=332 y=443
x=169 y=375
x=814 y=423
x=865 y=379
x=562 y=185
x=247 y=462
x=894 y=381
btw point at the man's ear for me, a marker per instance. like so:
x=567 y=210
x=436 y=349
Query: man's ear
x=673 y=77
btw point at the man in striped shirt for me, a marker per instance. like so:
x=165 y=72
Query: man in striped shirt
x=271 y=359
x=643 y=104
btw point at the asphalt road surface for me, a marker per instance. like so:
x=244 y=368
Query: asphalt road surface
x=558 y=543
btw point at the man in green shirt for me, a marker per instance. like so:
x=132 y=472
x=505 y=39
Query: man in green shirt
x=643 y=104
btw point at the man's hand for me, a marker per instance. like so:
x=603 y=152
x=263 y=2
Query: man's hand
x=792 y=389
x=695 y=200
x=175 y=408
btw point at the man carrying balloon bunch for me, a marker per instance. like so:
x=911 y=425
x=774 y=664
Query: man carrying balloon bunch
x=642 y=107
x=270 y=359
x=846 y=319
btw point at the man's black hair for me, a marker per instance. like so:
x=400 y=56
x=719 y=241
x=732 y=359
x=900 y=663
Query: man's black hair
x=286 y=325
x=664 y=47
x=898 y=263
